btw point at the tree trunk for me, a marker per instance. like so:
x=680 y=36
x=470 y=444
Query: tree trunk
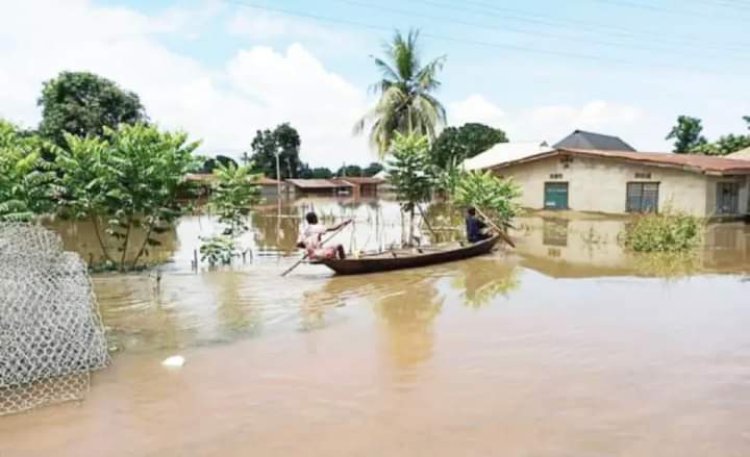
x=125 y=245
x=411 y=226
x=95 y=221
x=143 y=246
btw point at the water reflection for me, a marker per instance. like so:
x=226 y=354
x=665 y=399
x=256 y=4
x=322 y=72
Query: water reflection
x=407 y=313
x=484 y=279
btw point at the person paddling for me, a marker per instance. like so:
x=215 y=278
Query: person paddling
x=311 y=239
x=475 y=227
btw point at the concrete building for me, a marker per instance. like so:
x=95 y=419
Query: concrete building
x=503 y=152
x=364 y=186
x=618 y=182
x=742 y=154
x=321 y=187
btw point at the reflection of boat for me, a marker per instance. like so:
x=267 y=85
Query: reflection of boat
x=397 y=260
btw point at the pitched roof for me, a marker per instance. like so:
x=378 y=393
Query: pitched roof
x=580 y=139
x=689 y=162
x=743 y=154
x=265 y=181
x=318 y=183
x=362 y=180
x=503 y=152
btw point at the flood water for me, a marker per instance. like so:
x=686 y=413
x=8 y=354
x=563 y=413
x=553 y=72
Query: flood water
x=565 y=346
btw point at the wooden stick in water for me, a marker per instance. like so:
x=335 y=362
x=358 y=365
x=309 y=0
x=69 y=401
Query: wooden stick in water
x=304 y=257
x=500 y=231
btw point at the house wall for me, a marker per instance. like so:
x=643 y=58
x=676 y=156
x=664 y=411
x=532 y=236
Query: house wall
x=599 y=185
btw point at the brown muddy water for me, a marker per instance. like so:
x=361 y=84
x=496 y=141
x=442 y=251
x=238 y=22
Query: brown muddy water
x=566 y=346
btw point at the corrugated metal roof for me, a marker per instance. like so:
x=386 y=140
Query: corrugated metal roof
x=580 y=139
x=503 y=152
x=742 y=154
x=318 y=183
x=362 y=180
x=689 y=162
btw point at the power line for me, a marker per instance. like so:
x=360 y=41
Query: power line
x=535 y=33
x=505 y=46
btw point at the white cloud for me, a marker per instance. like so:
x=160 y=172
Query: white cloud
x=550 y=122
x=476 y=108
x=257 y=88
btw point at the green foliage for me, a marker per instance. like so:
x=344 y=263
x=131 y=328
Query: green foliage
x=406 y=103
x=726 y=144
x=209 y=165
x=235 y=190
x=456 y=144
x=409 y=170
x=283 y=140
x=83 y=104
x=218 y=250
x=373 y=169
x=321 y=173
x=350 y=170
x=495 y=196
x=26 y=181
x=131 y=179
x=666 y=232
x=687 y=134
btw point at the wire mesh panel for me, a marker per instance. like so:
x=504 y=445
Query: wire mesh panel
x=51 y=335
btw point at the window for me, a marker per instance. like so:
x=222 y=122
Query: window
x=555 y=232
x=727 y=197
x=642 y=197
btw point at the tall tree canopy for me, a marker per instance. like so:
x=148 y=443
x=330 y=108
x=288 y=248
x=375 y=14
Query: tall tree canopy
x=406 y=103
x=373 y=169
x=350 y=170
x=454 y=145
x=688 y=138
x=687 y=134
x=283 y=140
x=211 y=164
x=82 y=103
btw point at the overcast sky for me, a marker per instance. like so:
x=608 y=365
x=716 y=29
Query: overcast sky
x=221 y=69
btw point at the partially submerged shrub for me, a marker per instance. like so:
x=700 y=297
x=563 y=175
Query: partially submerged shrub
x=666 y=232
x=494 y=195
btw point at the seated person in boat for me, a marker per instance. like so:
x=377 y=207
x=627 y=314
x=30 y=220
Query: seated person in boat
x=476 y=229
x=311 y=239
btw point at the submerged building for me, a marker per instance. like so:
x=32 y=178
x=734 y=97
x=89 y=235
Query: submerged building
x=617 y=182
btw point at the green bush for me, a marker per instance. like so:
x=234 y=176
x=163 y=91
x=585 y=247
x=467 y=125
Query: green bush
x=665 y=232
x=497 y=197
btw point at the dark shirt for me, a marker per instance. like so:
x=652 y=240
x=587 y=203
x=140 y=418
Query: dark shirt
x=474 y=228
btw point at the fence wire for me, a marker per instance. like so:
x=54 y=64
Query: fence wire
x=51 y=334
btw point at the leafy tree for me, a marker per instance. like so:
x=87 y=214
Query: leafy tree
x=131 y=179
x=320 y=173
x=687 y=134
x=409 y=173
x=495 y=196
x=726 y=144
x=283 y=140
x=747 y=120
x=455 y=144
x=83 y=103
x=407 y=103
x=26 y=181
x=373 y=169
x=211 y=164
x=350 y=170
x=233 y=195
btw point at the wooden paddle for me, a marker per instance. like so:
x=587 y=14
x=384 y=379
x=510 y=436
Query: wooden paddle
x=304 y=257
x=500 y=231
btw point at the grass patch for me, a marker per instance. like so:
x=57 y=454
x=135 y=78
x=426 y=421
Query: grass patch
x=670 y=232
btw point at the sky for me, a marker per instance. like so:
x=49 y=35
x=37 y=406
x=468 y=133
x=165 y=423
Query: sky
x=223 y=69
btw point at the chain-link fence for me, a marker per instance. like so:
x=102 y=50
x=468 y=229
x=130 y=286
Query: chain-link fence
x=51 y=335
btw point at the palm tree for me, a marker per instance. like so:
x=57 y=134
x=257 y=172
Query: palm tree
x=406 y=102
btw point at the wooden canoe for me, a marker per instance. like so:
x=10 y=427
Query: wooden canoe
x=397 y=260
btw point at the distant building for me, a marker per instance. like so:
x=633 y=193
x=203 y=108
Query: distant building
x=580 y=139
x=631 y=182
x=269 y=188
x=364 y=186
x=321 y=187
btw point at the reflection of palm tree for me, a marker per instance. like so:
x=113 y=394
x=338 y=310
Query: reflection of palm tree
x=485 y=279
x=409 y=311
